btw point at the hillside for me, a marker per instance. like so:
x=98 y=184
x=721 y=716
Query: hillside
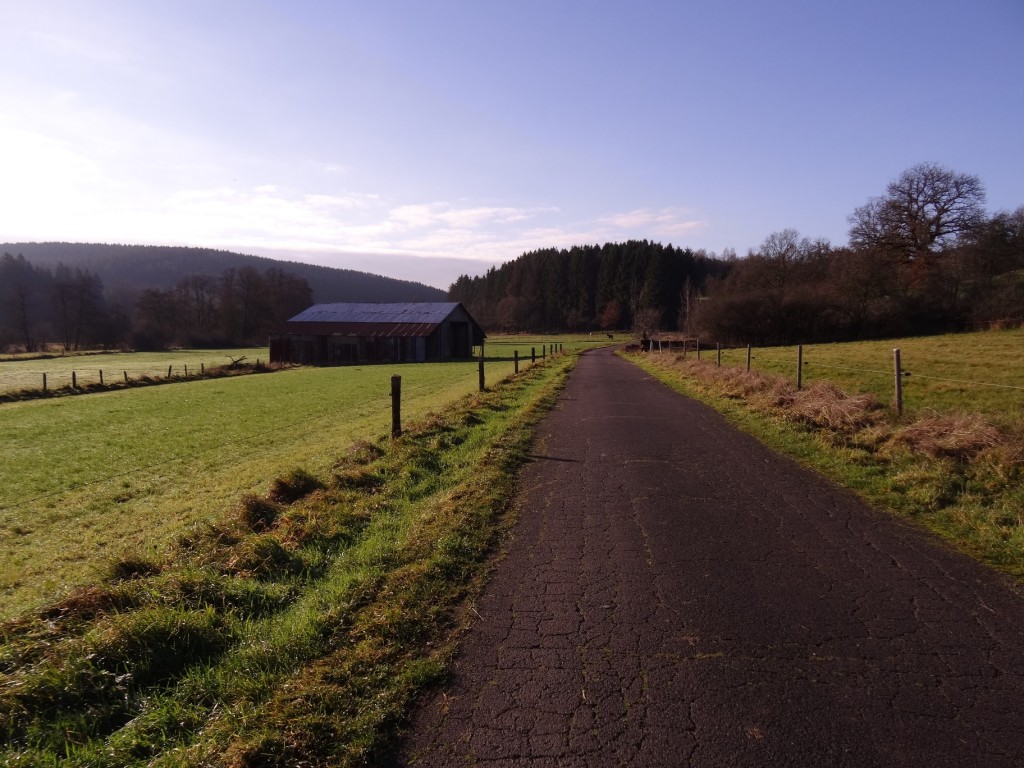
x=130 y=268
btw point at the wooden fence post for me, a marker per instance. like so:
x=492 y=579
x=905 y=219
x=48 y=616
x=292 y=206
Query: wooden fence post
x=898 y=371
x=698 y=348
x=44 y=382
x=481 y=374
x=169 y=371
x=186 y=370
x=101 y=377
x=515 y=356
x=202 y=368
x=533 y=354
x=396 y=406
x=74 y=380
x=800 y=366
x=718 y=350
x=748 y=358
x=125 y=376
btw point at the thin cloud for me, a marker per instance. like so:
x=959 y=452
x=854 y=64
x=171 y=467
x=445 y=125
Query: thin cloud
x=666 y=222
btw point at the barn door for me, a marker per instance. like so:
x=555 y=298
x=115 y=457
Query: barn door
x=460 y=340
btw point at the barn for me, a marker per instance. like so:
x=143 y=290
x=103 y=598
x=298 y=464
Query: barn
x=345 y=334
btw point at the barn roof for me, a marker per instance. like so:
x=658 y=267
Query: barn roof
x=375 y=320
x=428 y=313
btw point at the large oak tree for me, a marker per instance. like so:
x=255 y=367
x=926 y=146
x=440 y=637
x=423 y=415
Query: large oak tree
x=928 y=208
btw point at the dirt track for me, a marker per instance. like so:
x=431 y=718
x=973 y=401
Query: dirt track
x=676 y=594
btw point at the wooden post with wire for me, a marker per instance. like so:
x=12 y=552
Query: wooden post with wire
x=515 y=357
x=748 y=358
x=718 y=350
x=800 y=366
x=396 y=406
x=898 y=373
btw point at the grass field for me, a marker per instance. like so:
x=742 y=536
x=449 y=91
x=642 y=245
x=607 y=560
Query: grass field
x=296 y=626
x=27 y=373
x=979 y=372
x=86 y=479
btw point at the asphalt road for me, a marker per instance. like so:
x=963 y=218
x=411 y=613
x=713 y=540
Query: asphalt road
x=676 y=594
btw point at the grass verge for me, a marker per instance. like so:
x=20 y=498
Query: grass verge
x=954 y=473
x=294 y=630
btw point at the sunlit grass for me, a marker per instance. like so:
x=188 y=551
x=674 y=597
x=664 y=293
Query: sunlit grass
x=18 y=374
x=981 y=372
x=293 y=635
x=89 y=477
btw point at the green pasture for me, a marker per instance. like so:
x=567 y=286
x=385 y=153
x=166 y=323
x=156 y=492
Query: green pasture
x=297 y=627
x=970 y=372
x=85 y=479
x=21 y=373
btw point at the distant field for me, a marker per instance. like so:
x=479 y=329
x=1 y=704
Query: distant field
x=21 y=373
x=27 y=373
x=86 y=478
x=982 y=372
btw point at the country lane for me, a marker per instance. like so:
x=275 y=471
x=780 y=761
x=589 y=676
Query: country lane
x=673 y=593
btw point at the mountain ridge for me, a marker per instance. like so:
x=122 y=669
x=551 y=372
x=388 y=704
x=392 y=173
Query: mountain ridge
x=132 y=268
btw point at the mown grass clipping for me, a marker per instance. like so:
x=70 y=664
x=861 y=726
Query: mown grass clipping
x=297 y=628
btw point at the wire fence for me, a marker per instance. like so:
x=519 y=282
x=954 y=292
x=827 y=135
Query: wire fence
x=85 y=371
x=916 y=377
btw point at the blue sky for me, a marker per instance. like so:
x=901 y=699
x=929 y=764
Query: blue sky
x=424 y=140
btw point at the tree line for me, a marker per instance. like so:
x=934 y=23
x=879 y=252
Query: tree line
x=40 y=305
x=924 y=257
x=613 y=286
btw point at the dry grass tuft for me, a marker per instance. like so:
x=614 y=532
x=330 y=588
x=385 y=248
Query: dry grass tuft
x=956 y=435
x=364 y=452
x=129 y=568
x=257 y=513
x=768 y=388
x=295 y=485
x=825 y=405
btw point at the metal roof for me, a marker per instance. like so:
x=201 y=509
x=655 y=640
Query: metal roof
x=365 y=330
x=416 y=312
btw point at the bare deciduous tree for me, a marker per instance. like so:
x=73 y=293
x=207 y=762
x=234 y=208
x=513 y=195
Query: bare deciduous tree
x=923 y=211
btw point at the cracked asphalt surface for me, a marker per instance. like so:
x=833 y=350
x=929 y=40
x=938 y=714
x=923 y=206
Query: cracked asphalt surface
x=676 y=594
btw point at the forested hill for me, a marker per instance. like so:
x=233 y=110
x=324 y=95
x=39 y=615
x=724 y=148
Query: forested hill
x=132 y=268
x=637 y=284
